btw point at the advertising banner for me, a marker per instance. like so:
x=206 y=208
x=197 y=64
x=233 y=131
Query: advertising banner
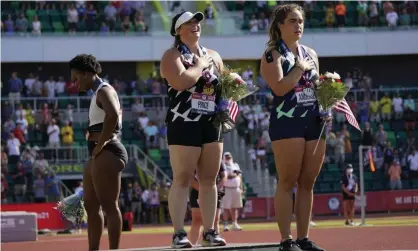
x=47 y=216
x=329 y=204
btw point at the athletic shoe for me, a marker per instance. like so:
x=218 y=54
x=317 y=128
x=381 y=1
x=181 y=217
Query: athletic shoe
x=180 y=240
x=308 y=245
x=226 y=228
x=289 y=245
x=211 y=238
x=236 y=227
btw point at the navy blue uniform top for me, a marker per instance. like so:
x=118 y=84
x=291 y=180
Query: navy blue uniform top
x=301 y=100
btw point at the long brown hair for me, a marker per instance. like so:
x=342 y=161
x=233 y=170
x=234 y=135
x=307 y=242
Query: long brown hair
x=278 y=15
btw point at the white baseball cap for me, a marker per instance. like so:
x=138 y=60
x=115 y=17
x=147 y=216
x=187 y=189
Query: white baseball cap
x=182 y=18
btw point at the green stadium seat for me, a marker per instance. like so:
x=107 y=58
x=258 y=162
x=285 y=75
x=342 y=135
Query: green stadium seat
x=325 y=188
x=154 y=154
x=58 y=27
x=406 y=184
x=332 y=167
x=391 y=137
x=15 y=5
x=30 y=13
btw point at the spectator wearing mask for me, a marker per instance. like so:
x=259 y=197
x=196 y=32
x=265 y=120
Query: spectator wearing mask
x=19 y=134
x=163 y=192
x=53 y=132
x=412 y=161
x=381 y=137
x=53 y=187
x=41 y=164
x=4 y=189
x=13 y=145
x=394 y=173
x=349 y=188
x=388 y=155
x=137 y=202
x=15 y=88
x=340 y=12
x=39 y=189
x=409 y=102
x=386 y=107
x=367 y=135
x=374 y=111
x=67 y=133
x=410 y=118
x=154 y=201
x=364 y=110
x=19 y=181
x=151 y=133
x=392 y=18
x=397 y=106
x=232 y=201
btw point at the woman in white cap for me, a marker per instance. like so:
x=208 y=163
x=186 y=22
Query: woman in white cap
x=194 y=142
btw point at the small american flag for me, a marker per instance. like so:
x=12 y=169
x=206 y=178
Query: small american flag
x=233 y=110
x=343 y=107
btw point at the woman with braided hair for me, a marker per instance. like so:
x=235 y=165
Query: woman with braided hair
x=108 y=157
x=290 y=70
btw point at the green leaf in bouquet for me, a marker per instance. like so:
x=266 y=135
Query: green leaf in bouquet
x=330 y=92
x=231 y=88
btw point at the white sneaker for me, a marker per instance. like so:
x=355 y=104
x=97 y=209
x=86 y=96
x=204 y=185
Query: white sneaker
x=226 y=228
x=180 y=240
x=313 y=224
x=236 y=227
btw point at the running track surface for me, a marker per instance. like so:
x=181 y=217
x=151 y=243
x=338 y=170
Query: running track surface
x=337 y=238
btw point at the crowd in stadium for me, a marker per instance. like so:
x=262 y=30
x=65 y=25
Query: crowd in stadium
x=78 y=16
x=128 y=16
x=333 y=14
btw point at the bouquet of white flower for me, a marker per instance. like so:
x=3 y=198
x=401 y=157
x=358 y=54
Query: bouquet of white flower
x=72 y=208
x=232 y=89
x=329 y=91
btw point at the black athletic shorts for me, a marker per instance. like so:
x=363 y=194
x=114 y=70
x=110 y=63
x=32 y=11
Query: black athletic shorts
x=194 y=196
x=114 y=146
x=192 y=133
x=348 y=197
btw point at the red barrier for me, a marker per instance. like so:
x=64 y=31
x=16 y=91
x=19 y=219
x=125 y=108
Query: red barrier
x=326 y=204
x=48 y=217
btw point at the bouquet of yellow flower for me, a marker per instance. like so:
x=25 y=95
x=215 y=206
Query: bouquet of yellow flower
x=232 y=89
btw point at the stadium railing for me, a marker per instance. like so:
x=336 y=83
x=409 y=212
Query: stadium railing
x=80 y=154
x=82 y=103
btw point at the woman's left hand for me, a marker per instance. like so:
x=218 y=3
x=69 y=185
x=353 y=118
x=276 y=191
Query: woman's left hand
x=326 y=116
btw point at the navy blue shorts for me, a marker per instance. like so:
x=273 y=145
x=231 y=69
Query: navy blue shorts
x=308 y=127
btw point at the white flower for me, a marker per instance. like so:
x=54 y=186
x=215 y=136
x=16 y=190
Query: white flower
x=329 y=75
x=336 y=75
x=236 y=77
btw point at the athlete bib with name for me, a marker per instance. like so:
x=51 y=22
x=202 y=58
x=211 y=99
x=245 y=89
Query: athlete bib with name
x=305 y=96
x=203 y=104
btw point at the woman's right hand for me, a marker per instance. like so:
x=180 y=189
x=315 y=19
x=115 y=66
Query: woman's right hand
x=204 y=61
x=305 y=64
